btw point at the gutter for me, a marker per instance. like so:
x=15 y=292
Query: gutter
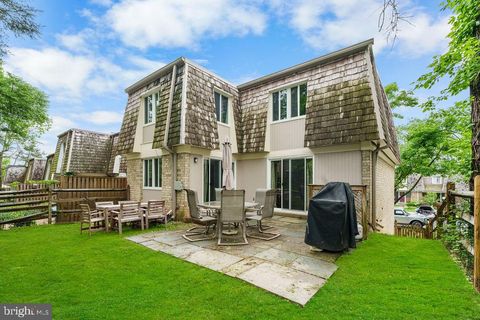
x=165 y=139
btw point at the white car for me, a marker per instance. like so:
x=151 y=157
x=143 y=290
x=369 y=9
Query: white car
x=414 y=219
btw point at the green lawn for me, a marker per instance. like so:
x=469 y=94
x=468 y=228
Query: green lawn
x=108 y=277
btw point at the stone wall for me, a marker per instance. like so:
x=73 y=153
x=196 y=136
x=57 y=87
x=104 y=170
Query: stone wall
x=135 y=178
x=183 y=175
x=367 y=178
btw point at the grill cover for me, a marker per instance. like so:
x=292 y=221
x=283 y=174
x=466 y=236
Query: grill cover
x=332 y=220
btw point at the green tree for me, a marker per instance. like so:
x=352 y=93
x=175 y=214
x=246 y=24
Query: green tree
x=23 y=116
x=399 y=98
x=438 y=144
x=461 y=64
x=18 y=18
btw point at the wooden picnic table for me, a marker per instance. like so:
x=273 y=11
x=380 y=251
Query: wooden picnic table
x=108 y=208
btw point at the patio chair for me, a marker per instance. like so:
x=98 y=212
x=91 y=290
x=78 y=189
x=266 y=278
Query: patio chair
x=266 y=199
x=128 y=213
x=127 y=202
x=156 y=211
x=200 y=216
x=94 y=219
x=232 y=211
x=102 y=203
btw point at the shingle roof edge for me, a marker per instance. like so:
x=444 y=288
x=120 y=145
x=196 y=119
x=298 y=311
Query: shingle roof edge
x=322 y=59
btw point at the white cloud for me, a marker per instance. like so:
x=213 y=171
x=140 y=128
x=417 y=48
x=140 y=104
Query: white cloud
x=60 y=124
x=182 y=23
x=57 y=70
x=331 y=24
x=73 y=42
x=73 y=76
x=103 y=117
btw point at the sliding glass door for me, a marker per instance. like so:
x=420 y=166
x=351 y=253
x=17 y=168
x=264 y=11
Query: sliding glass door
x=212 y=178
x=290 y=178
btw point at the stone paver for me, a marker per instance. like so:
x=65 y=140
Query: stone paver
x=213 y=259
x=315 y=266
x=286 y=282
x=284 y=266
x=277 y=256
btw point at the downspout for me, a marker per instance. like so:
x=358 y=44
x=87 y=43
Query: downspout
x=374 y=181
x=165 y=139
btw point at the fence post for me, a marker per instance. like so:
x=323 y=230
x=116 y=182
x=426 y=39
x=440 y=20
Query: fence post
x=476 y=233
x=49 y=204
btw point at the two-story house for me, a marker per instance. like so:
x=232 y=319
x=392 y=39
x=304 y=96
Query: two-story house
x=323 y=120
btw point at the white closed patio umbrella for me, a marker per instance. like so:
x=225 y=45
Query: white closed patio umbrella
x=227 y=177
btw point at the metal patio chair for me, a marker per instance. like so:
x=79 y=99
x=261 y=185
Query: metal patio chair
x=128 y=213
x=232 y=211
x=156 y=211
x=266 y=201
x=93 y=218
x=199 y=215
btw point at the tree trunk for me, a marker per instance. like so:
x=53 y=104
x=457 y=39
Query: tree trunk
x=1 y=170
x=475 y=102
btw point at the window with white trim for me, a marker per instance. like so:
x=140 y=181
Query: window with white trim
x=289 y=102
x=221 y=107
x=116 y=164
x=150 y=104
x=152 y=173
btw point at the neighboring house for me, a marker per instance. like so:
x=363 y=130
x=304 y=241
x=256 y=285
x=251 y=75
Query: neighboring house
x=83 y=152
x=35 y=169
x=323 y=120
x=434 y=184
x=14 y=173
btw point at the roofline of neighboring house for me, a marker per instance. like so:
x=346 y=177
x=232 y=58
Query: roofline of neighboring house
x=307 y=64
x=84 y=130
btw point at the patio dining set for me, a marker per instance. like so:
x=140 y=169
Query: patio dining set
x=226 y=219
x=232 y=210
x=107 y=215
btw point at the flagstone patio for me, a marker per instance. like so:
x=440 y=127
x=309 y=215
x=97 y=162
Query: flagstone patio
x=284 y=266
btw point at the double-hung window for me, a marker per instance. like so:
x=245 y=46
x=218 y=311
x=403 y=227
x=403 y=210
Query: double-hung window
x=152 y=173
x=221 y=107
x=289 y=102
x=150 y=102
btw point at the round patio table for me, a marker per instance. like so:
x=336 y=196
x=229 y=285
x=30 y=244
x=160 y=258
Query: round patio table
x=217 y=206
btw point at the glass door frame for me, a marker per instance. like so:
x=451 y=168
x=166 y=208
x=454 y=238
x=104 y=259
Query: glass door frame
x=281 y=160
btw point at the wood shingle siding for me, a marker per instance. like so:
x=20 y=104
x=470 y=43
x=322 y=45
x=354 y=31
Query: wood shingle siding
x=201 y=123
x=162 y=108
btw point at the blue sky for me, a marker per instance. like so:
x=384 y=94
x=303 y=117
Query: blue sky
x=91 y=50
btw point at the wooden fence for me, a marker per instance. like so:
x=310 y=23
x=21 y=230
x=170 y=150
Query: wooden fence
x=61 y=200
x=361 y=205
x=38 y=198
x=74 y=190
x=411 y=231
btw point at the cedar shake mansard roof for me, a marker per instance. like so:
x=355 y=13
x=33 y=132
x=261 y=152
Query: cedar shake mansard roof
x=346 y=103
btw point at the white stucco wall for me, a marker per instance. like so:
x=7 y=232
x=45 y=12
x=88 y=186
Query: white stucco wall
x=251 y=175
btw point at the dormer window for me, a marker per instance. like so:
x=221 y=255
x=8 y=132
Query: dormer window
x=289 y=102
x=150 y=104
x=221 y=107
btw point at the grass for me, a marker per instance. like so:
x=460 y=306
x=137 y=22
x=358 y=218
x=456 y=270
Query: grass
x=108 y=277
